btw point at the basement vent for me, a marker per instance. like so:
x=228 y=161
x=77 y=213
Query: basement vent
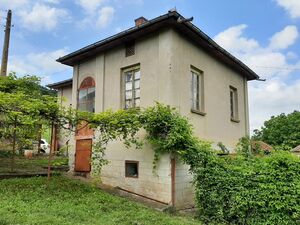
x=132 y=169
x=130 y=49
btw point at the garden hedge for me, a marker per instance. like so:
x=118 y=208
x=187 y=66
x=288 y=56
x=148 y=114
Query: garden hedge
x=259 y=190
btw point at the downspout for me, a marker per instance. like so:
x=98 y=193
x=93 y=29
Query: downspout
x=77 y=81
x=103 y=84
x=173 y=174
x=246 y=108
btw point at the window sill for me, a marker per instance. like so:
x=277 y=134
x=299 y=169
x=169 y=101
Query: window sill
x=132 y=177
x=198 y=112
x=234 y=120
x=137 y=108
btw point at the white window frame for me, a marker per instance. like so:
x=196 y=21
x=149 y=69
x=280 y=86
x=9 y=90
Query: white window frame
x=135 y=90
x=197 y=91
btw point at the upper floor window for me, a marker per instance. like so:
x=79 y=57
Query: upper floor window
x=132 y=78
x=197 y=91
x=234 y=104
x=129 y=49
x=86 y=95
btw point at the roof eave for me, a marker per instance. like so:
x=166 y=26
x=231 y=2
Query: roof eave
x=171 y=19
x=70 y=59
x=61 y=84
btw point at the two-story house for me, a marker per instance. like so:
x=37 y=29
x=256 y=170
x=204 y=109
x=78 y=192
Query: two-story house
x=168 y=60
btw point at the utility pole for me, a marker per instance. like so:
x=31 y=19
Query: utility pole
x=6 y=45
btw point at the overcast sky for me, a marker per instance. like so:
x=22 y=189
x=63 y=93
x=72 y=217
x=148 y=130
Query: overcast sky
x=262 y=33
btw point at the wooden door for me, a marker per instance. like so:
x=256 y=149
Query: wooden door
x=83 y=155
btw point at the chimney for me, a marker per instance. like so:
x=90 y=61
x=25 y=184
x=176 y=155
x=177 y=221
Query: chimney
x=139 y=21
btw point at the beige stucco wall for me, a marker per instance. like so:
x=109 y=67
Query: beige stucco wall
x=106 y=69
x=165 y=59
x=64 y=95
x=216 y=125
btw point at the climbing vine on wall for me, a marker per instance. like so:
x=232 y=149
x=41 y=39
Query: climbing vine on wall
x=241 y=189
x=166 y=130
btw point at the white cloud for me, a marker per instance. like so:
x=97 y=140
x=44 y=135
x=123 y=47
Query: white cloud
x=90 y=6
x=97 y=15
x=291 y=6
x=106 y=15
x=277 y=94
x=231 y=39
x=36 y=15
x=272 y=98
x=42 y=17
x=42 y=64
x=284 y=38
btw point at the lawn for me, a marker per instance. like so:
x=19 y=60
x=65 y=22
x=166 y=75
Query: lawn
x=65 y=201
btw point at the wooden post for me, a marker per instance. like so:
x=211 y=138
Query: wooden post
x=173 y=188
x=39 y=136
x=14 y=145
x=6 y=45
x=50 y=153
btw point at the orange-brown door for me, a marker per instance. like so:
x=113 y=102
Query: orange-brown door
x=83 y=155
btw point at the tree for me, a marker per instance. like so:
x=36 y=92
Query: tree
x=24 y=106
x=282 y=131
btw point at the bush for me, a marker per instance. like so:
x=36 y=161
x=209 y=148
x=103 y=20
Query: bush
x=256 y=190
x=5 y=154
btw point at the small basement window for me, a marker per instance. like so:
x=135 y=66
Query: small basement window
x=132 y=169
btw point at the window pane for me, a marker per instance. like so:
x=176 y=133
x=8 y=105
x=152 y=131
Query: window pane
x=82 y=106
x=132 y=87
x=137 y=102
x=196 y=91
x=137 y=93
x=128 y=76
x=91 y=94
x=90 y=107
x=128 y=86
x=128 y=104
x=232 y=104
x=137 y=75
x=137 y=84
x=128 y=95
x=82 y=95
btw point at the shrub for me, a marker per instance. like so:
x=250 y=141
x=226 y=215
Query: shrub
x=259 y=190
x=5 y=154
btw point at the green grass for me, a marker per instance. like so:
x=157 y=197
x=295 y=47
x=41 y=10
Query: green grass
x=35 y=164
x=65 y=201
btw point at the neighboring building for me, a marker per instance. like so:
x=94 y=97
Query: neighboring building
x=296 y=151
x=64 y=92
x=171 y=61
x=261 y=146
